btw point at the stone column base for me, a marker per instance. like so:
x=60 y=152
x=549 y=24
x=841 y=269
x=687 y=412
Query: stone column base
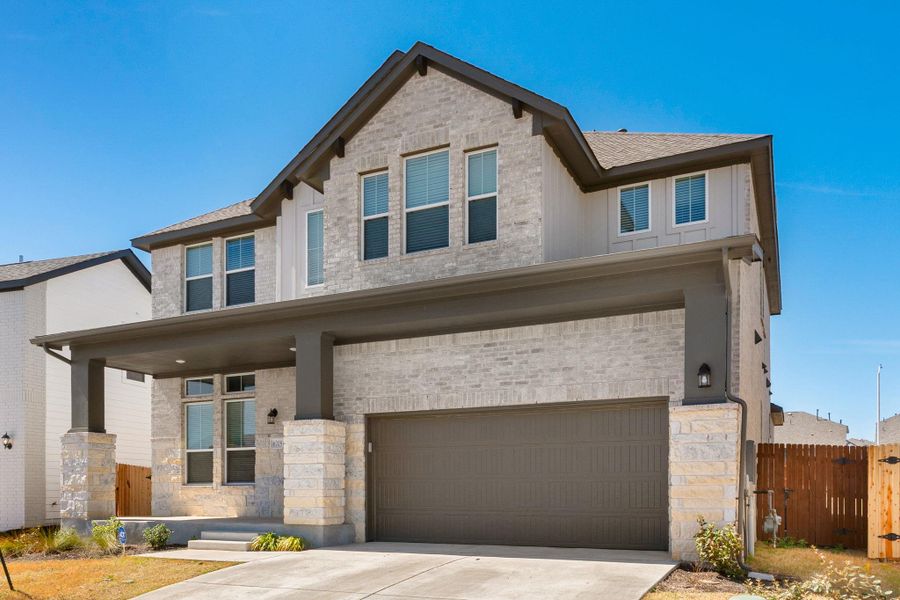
x=703 y=471
x=87 y=476
x=314 y=471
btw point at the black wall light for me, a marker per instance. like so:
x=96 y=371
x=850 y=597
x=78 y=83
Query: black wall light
x=7 y=441
x=704 y=376
x=270 y=418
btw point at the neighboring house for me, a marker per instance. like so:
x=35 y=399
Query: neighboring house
x=859 y=442
x=454 y=316
x=889 y=430
x=49 y=296
x=805 y=428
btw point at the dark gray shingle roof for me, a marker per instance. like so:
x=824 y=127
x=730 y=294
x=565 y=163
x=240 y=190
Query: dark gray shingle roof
x=616 y=149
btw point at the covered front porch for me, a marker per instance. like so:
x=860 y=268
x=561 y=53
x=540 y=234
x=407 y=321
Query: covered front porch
x=302 y=481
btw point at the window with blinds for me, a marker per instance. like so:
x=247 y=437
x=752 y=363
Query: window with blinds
x=375 y=216
x=198 y=427
x=634 y=208
x=240 y=270
x=198 y=288
x=481 y=196
x=315 y=248
x=690 y=199
x=427 y=201
x=240 y=441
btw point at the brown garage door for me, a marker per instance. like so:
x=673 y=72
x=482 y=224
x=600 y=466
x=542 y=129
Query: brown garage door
x=575 y=475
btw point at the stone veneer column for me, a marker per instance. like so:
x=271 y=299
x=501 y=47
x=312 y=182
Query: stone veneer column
x=88 y=477
x=314 y=469
x=703 y=471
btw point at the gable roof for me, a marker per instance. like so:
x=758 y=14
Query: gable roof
x=620 y=148
x=15 y=276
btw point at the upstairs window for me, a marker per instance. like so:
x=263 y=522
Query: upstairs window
x=199 y=386
x=245 y=382
x=240 y=270
x=481 y=196
x=315 y=248
x=375 y=216
x=198 y=284
x=690 y=199
x=428 y=201
x=240 y=441
x=634 y=208
x=198 y=429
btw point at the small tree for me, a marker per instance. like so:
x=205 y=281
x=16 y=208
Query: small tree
x=719 y=549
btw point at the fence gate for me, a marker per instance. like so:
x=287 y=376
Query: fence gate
x=133 y=491
x=884 y=501
x=820 y=492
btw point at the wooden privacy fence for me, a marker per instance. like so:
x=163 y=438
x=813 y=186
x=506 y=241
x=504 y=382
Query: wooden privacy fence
x=820 y=492
x=884 y=501
x=132 y=491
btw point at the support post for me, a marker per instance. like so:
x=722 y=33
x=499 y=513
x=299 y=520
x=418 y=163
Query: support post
x=314 y=373
x=88 y=478
x=88 y=395
x=705 y=342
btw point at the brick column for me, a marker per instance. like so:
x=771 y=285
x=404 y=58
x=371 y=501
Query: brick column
x=88 y=477
x=314 y=470
x=703 y=471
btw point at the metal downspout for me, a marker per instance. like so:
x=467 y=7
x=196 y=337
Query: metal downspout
x=741 y=516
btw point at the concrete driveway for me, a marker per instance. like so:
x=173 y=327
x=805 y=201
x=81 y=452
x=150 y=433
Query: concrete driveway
x=387 y=571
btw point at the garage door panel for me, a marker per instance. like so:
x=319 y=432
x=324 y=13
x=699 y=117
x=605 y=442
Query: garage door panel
x=586 y=475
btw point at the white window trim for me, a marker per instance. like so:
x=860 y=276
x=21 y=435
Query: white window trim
x=225 y=391
x=241 y=270
x=306 y=284
x=225 y=439
x=619 y=189
x=184 y=479
x=705 y=198
x=364 y=218
x=495 y=194
x=195 y=277
x=406 y=210
x=184 y=383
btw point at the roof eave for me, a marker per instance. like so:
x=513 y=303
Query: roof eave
x=199 y=232
x=128 y=257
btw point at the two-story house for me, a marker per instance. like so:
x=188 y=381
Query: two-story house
x=39 y=297
x=456 y=317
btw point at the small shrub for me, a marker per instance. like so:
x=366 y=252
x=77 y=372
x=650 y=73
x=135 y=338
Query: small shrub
x=265 y=542
x=157 y=536
x=106 y=535
x=778 y=590
x=719 y=549
x=290 y=543
x=13 y=546
x=845 y=582
x=790 y=542
x=66 y=539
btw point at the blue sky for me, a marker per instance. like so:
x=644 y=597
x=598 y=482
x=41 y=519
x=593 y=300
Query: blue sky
x=118 y=118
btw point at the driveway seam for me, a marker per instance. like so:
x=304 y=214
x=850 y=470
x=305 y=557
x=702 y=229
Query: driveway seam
x=449 y=562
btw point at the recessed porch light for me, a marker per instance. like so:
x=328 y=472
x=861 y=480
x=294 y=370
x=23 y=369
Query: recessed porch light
x=180 y=361
x=292 y=349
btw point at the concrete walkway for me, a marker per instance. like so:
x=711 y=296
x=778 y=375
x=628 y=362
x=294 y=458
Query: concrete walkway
x=385 y=571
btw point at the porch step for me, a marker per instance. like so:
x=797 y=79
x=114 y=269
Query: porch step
x=219 y=545
x=229 y=536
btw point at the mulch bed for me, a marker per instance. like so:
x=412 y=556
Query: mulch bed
x=81 y=553
x=697 y=581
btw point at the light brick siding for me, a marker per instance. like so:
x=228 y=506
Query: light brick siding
x=703 y=468
x=427 y=113
x=168 y=274
x=889 y=430
x=274 y=389
x=633 y=356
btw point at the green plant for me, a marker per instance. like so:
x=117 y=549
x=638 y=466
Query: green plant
x=13 y=546
x=778 y=591
x=719 y=549
x=265 y=542
x=106 y=534
x=157 y=536
x=845 y=582
x=790 y=542
x=66 y=538
x=290 y=543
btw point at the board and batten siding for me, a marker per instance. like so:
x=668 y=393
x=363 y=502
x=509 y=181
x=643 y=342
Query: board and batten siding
x=578 y=224
x=73 y=302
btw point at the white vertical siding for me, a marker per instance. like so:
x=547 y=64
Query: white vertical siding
x=291 y=241
x=107 y=294
x=564 y=209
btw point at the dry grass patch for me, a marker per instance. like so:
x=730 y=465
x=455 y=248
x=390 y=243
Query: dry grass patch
x=802 y=563
x=110 y=578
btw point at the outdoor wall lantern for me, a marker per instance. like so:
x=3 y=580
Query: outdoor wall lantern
x=270 y=418
x=704 y=376
x=7 y=441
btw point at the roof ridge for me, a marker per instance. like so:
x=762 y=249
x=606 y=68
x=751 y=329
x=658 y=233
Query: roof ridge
x=719 y=134
x=73 y=257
